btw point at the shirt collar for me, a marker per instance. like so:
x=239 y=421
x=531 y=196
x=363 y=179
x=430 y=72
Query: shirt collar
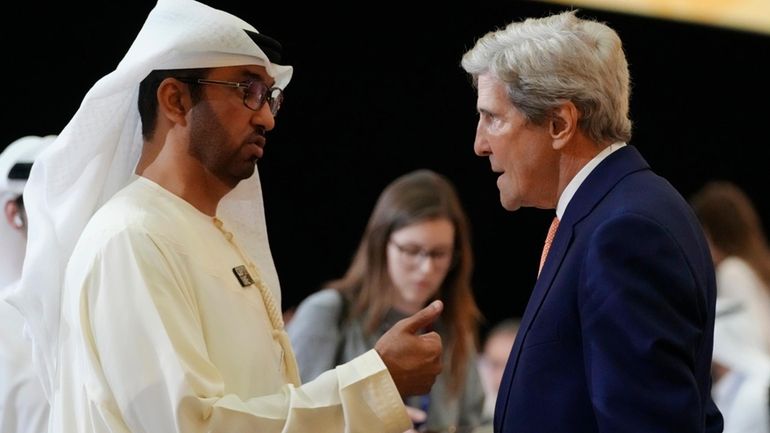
x=581 y=176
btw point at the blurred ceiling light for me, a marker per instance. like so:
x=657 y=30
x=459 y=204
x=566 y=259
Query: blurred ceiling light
x=751 y=15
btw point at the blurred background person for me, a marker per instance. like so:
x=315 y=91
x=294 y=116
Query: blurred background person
x=23 y=405
x=15 y=163
x=416 y=248
x=741 y=371
x=740 y=251
x=494 y=355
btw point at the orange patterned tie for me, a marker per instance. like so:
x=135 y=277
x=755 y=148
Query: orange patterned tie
x=548 y=241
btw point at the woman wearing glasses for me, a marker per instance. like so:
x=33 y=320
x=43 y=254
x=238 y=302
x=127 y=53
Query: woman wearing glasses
x=415 y=249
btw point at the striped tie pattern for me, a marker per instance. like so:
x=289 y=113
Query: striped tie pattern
x=548 y=241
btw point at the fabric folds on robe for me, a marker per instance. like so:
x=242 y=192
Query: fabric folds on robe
x=158 y=334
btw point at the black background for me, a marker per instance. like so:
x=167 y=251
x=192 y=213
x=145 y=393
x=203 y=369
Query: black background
x=378 y=91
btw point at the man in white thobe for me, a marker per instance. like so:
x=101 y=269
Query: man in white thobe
x=168 y=318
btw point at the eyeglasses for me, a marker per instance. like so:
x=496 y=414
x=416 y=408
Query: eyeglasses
x=255 y=92
x=413 y=256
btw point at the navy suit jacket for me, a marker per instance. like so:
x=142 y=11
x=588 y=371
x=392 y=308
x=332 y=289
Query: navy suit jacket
x=618 y=331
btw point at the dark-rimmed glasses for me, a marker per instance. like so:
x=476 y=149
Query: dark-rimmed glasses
x=255 y=92
x=414 y=256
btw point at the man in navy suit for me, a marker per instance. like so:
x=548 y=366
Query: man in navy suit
x=617 y=334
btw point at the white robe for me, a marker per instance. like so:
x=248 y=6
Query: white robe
x=158 y=335
x=23 y=406
x=12 y=244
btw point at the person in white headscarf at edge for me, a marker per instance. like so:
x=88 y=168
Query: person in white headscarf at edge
x=741 y=370
x=23 y=406
x=170 y=304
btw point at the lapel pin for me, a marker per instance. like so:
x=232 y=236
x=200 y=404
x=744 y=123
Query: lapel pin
x=243 y=276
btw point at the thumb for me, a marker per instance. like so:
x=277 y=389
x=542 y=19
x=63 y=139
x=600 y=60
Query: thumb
x=424 y=317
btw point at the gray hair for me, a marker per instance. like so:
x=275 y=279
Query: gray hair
x=545 y=61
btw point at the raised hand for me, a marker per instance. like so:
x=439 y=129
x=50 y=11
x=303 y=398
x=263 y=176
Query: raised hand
x=413 y=360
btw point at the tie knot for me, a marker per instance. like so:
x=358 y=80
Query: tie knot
x=548 y=240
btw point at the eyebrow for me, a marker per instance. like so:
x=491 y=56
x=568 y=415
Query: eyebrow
x=253 y=76
x=485 y=111
x=423 y=247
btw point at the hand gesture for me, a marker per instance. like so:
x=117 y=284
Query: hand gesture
x=413 y=360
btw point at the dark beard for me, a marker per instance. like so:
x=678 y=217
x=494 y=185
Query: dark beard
x=209 y=144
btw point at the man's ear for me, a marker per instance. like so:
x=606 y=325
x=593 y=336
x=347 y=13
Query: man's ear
x=13 y=215
x=563 y=124
x=173 y=100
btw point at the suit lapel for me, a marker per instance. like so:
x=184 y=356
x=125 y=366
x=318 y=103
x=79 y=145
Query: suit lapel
x=598 y=183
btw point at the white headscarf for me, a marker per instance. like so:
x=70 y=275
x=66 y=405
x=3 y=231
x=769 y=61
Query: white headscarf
x=12 y=241
x=96 y=154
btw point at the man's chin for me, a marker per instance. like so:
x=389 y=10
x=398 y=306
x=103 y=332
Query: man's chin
x=234 y=178
x=509 y=204
x=248 y=170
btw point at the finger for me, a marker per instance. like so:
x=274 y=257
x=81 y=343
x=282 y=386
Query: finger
x=424 y=317
x=432 y=337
